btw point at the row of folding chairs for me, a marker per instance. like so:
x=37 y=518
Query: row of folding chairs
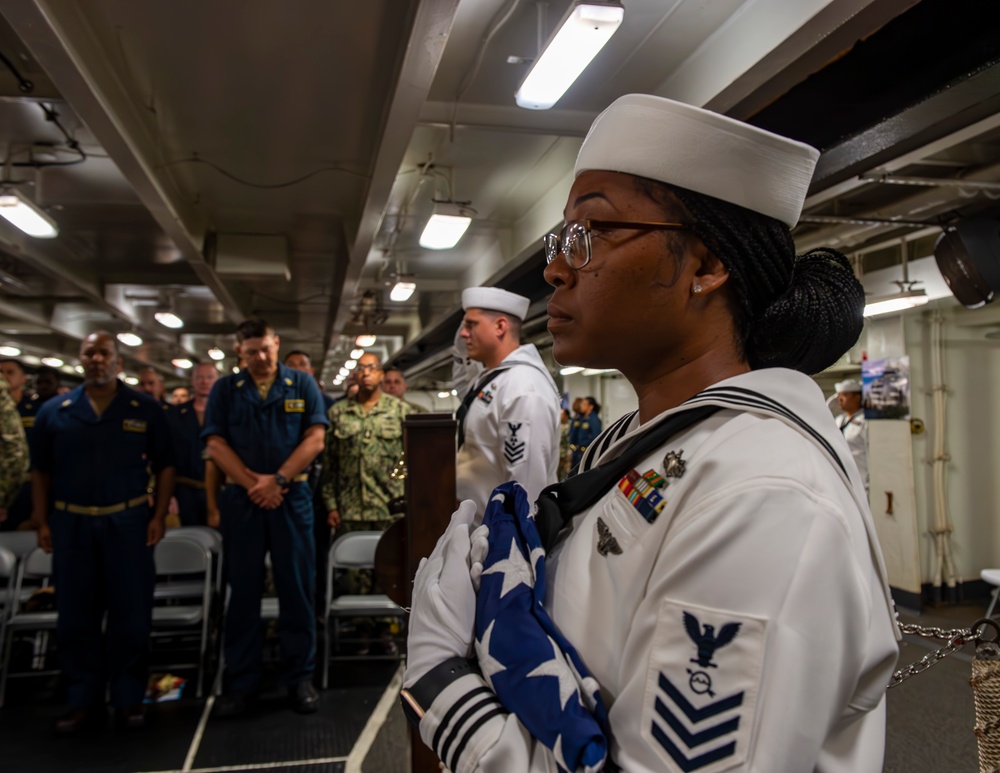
x=189 y=595
x=188 y=567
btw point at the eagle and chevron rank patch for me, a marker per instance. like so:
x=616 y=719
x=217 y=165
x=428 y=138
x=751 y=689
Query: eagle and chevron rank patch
x=702 y=685
x=515 y=441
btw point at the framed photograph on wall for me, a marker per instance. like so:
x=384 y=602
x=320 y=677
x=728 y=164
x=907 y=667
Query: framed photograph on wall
x=885 y=388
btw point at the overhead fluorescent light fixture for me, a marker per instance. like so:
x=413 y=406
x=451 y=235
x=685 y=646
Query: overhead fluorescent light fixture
x=351 y=364
x=131 y=380
x=401 y=291
x=357 y=354
x=9 y=351
x=343 y=373
x=569 y=371
x=366 y=339
x=901 y=301
x=52 y=362
x=447 y=225
x=216 y=353
x=168 y=319
x=583 y=32
x=443 y=394
x=24 y=214
x=130 y=339
x=79 y=369
x=182 y=362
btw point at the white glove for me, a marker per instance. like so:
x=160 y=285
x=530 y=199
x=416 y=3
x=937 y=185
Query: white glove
x=480 y=539
x=443 y=611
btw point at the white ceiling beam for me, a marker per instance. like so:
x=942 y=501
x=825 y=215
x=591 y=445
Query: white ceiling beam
x=428 y=37
x=60 y=38
x=763 y=39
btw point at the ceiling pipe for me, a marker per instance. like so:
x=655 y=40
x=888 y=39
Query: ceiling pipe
x=930 y=182
x=844 y=220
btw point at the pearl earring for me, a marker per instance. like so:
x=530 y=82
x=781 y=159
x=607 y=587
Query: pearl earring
x=696 y=289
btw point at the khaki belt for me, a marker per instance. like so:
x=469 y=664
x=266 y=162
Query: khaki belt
x=105 y=510
x=297 y=479
x=190 y=482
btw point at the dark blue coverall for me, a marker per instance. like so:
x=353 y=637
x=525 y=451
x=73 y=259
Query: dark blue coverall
x=20 y=509
x=101 y=561
x=189 y=451
x=263 y=434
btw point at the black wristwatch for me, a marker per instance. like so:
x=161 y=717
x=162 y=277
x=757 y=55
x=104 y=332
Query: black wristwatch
x=281 y=480
x=418 y=699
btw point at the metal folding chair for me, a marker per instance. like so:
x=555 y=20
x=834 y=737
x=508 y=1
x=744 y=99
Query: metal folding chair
x=185 y=556
x=354 y=550
x=36 y=569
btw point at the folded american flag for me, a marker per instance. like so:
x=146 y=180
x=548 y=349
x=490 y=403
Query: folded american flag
x=533 y=669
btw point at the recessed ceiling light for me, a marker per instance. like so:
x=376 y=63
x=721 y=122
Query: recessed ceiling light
x=357 y=353
x=130 y=339
x=168 y=319
x=444 y=229
x=401 y=291
x=216 y=353
x=351 y=364
x=182 y=362
x=9 y=351
x=366 y=339
x=52 y=362
x=26 y=215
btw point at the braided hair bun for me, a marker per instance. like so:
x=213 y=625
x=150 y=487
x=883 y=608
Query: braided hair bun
x=792 y=312
x=811 y=325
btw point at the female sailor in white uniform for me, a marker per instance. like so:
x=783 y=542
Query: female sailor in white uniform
x=726 y=591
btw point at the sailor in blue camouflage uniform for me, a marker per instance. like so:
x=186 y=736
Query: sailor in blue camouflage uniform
x=586 y=427
x=91 y=452
x=264 y=426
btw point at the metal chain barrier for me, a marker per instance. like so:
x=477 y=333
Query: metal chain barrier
x=956 y=638
x=985 y=679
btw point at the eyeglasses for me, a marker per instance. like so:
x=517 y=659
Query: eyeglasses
x=366 y=368
x=573 y=241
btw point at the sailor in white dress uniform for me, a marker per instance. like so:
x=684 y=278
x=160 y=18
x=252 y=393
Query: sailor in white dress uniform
x=727 y=593
x=509 y=419
x=853 y=424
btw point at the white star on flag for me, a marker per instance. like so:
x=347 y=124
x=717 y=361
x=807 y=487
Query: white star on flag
x=488 y=664
x=514 y=568
x=557 y=667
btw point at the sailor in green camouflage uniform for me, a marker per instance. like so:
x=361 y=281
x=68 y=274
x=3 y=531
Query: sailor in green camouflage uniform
x=13 y=449
x=363 y=445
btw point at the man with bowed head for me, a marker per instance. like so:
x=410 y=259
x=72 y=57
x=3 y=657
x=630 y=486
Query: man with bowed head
x=264 y=426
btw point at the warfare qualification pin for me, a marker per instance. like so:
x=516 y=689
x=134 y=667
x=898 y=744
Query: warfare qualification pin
x=606 y=542
x=673 y=465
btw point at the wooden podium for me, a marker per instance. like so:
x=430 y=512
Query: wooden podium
x=429 y=449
